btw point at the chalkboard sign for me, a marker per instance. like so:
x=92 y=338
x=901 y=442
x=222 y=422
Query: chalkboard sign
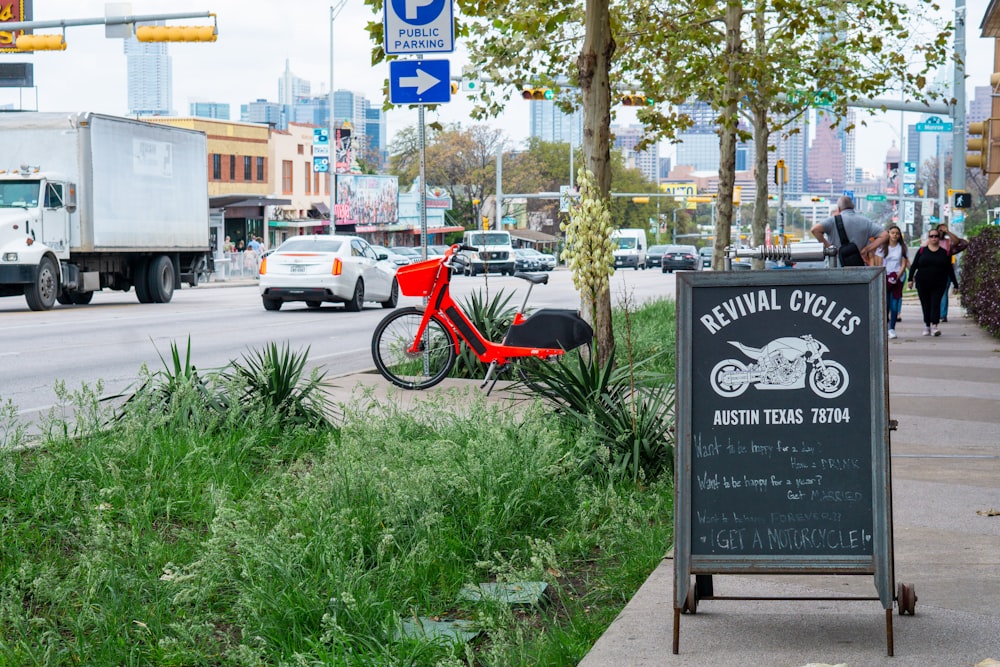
x=782 y=452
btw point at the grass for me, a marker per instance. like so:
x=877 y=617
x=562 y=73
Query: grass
x=233 y=538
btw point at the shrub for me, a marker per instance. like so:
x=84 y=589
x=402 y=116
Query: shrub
x=981 y=278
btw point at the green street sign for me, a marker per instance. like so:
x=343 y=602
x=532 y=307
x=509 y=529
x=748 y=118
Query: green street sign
x=875 y=197
x=816 y=98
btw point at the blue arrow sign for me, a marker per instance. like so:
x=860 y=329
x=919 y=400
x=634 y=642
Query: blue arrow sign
x=419 y=26
x=935 y=124
x=419 y=81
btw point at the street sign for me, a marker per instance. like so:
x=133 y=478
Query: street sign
x=321 y=165
x=875 y=197
x=321 y=135
x=419 y=26
x=849 y=193
x=321 y=150
x=909 y=189
x=934 y=124
x=419 y=81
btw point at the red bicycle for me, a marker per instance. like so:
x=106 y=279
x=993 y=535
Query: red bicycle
x=416 y=347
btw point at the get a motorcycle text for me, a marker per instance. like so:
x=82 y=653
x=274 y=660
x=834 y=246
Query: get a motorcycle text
x=799 y=300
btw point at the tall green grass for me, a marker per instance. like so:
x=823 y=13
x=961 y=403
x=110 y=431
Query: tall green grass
x=234 y=538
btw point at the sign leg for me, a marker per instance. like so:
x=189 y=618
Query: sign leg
x=677 y=631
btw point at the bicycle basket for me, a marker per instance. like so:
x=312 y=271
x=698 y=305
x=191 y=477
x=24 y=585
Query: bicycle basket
x=418 y=279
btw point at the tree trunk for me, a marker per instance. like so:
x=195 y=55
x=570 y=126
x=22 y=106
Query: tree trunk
x=593 y=66
x=761 y=138
x=727 y=132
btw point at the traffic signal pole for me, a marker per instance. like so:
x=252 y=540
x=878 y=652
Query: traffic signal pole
x=14 y=26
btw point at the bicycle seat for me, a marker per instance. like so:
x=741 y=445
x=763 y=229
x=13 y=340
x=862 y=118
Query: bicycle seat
x=534 y=278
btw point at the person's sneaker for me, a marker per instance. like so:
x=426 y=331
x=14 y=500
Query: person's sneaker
x=935 y=331
x=892 y=333
x=927 y=331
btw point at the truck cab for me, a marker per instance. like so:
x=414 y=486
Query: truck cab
x=494 y=253
x=35 y=212
x=629 y=248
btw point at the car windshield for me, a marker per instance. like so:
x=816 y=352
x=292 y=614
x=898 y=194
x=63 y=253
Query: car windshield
x=626 y=243
x=311 y=245
x=487 y=238
x=680 y=248
x=19 y=194
x=657 y=249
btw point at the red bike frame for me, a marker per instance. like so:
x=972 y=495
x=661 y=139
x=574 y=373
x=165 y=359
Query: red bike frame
x=440 y=303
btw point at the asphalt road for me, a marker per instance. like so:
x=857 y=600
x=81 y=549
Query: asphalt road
x=110 y=339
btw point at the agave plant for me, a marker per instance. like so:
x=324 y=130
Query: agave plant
x=273 y=378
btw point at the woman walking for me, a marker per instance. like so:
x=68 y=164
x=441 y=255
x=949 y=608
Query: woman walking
x=932 y=271
x=893 y=257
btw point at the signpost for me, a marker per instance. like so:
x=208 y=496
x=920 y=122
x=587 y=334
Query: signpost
x=321 y=150
x=875 y=197
x=419 y=81
x=419 y=26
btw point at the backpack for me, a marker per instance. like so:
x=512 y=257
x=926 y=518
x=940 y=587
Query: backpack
x=848 y=252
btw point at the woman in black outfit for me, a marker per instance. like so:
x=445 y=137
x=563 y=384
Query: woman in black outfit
x=932 y=271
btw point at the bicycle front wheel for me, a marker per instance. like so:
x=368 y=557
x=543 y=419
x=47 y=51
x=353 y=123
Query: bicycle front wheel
x=428 y=365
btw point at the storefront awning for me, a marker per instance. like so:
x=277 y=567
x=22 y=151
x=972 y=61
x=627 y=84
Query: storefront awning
x=533 y=236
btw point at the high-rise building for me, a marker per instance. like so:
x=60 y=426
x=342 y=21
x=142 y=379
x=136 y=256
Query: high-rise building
x=215 y=110
x=552 y=124
x=353 y=108
x=699 y=144
x=377 y=135
x=265 y=113
x=149 y=71
x=627 y=137
x=291 y=88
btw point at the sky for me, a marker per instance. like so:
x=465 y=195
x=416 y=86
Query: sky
x=256 y=38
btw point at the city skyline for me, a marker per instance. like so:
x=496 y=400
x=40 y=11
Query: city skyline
x=253 y=47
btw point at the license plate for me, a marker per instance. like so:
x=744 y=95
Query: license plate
x=297 y=269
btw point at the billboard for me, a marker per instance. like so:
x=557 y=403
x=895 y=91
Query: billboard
x=364 y=200
x=13 y=11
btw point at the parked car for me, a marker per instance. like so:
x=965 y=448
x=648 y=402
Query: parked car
x=408 y=251
x=680 y=257
x=706 y=256
x=318 y=268
x=654 y=256
x=394 y=257
x=525 y=261
x=547 y=261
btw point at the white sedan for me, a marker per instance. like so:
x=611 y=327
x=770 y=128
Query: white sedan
x=318 y=268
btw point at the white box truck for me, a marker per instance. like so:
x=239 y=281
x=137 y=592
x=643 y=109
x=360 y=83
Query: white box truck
x=630 y=248
x=89 y=201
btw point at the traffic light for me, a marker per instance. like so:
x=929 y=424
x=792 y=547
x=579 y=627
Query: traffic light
x=979 y=141
x=486 y=223
x=636 y=100
x=961 y=199
x=176 y=33
x=50 y=42
x=535 y=94
x=454 y=87
x=817 y=199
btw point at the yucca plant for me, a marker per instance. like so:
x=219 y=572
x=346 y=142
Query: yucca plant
x=273 y=378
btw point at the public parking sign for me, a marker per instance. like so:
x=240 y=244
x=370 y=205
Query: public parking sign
x=419 y=26
x=419 y=81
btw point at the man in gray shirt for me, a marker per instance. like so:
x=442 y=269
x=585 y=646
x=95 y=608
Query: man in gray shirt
x=860 y=230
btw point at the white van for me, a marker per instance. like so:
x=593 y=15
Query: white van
x=630 y=248
x=494 y=253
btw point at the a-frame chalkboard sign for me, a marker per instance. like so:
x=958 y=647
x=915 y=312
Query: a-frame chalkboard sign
x=782 y=457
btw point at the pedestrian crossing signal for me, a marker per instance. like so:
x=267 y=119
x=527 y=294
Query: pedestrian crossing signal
x=962 y=200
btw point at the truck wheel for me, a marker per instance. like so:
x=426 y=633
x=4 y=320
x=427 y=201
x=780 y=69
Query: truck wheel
x=161 y=279
x=41 y=294
x=64 y=299
x=82 y=298
x=140 y=278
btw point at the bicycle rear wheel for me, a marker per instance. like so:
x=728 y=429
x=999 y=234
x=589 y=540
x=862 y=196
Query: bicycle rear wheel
x=425 y=368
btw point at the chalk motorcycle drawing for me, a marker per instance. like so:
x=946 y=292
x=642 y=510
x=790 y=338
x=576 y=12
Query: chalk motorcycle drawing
x=784 y=363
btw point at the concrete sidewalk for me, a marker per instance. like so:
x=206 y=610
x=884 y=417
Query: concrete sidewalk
x=945 y=467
